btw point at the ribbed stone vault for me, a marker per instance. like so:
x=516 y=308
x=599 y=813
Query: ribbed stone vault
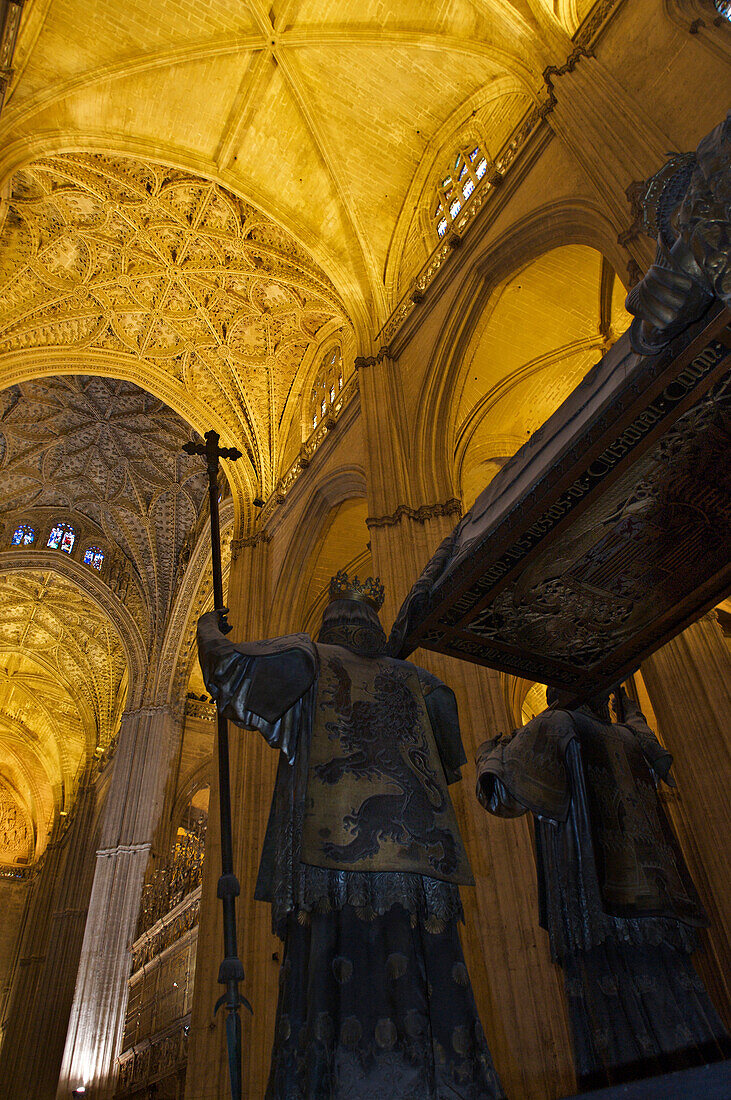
x=169 y=280
x=63 y=676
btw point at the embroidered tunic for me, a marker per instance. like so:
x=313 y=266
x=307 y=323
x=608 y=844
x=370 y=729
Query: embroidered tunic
x=360 y=813
x=361 y=861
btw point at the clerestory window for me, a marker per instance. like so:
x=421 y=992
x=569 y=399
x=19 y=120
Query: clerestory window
x=23 y=535
x=469 y=170
x=94 y=556
x=328 y=385
x=62 y=537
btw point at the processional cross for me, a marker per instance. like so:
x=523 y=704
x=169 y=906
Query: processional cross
x=231 y=971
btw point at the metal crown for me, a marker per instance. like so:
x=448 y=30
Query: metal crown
x=369 y=591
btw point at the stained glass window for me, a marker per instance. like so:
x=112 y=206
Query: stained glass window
x=723 y=7
x=470 y=166
x=328 y=385
x=23 y=535
x=62 y=537
x=94 y=556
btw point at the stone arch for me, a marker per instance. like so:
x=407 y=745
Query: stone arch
x=194 y=596
x=17 y=367
x=325 y=498
x=551 y=226
x=198 y=777
x=88 y=582
x=414 y=224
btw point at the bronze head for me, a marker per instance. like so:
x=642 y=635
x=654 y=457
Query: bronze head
x=351 y=617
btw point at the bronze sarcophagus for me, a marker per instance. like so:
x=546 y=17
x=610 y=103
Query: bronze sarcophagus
x=604 y=535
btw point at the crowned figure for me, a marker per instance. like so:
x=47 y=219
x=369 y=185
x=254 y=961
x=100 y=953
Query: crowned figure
x=362 y=859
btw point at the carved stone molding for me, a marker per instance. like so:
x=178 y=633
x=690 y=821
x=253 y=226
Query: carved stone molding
x=552 y=71
x=371 y=360
x=451 y=507
x=237 y=545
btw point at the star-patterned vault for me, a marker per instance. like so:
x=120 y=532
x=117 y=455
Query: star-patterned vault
x=170 y=281
x=107 y=450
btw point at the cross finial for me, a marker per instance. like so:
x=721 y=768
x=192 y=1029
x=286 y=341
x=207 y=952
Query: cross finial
x=211 y=450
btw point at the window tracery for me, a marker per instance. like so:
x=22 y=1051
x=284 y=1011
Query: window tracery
x=327 y=386
x=24 y=535
x=455 y=190
x=94 y=556
x=62 y=537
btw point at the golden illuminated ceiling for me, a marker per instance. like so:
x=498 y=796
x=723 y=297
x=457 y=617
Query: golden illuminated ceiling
x=108 y=450
x=319 y=112
x=63 y=680
x=166 y=279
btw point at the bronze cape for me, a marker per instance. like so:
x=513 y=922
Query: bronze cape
x=361 y=862
x=614 y=893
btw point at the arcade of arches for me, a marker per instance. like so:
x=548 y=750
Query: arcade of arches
x=373 y=245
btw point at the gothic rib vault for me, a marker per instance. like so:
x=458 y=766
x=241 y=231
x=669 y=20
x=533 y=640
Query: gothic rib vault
x=62 y=689
x=277 y=104
x=164 y=278
x=105 y=457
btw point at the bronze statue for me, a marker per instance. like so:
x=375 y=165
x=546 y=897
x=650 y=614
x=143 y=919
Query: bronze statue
x=686 y=206
x=362 y=859
x=614 y=893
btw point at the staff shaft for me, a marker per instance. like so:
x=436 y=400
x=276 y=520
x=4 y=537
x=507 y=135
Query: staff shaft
x=231 y=971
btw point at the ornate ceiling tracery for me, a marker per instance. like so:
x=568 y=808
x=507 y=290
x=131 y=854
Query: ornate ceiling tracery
x=194 y=291
x=110 y=451
x=63 y=678
x=282 y=102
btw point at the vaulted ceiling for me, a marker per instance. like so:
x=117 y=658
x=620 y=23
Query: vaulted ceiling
x=63 y=677
x=129 y=268
x=109 y=451
x=318 y=112
x=195 y=200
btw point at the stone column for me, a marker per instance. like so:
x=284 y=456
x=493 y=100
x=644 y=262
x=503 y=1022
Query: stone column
x=688 y=685
x=610 y=135
x=518 y=989
x=132 y=809
x=45 y=974
x=253 y=767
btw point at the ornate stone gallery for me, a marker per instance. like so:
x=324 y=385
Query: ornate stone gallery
x=172 y=283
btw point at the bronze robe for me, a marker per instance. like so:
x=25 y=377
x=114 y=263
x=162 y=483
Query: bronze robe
x=614 y=893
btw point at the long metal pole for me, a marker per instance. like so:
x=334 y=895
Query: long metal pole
x=231 y=971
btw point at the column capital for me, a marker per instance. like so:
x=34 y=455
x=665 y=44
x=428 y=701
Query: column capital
x=451 y=507
x=148 y=710
x=259 y=537
x=363 y=361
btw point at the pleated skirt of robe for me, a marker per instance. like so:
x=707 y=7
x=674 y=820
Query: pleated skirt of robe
x=637 y=1011
x=377 y=1009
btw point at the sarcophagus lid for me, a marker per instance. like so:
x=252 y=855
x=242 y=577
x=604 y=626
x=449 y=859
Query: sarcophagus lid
x=603 y=536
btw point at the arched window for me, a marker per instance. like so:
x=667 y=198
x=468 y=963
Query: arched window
x=470 y=167
x=723 y=7
x=23 y=535
x=62 y=537
x=328 y=385
x=94 y=556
